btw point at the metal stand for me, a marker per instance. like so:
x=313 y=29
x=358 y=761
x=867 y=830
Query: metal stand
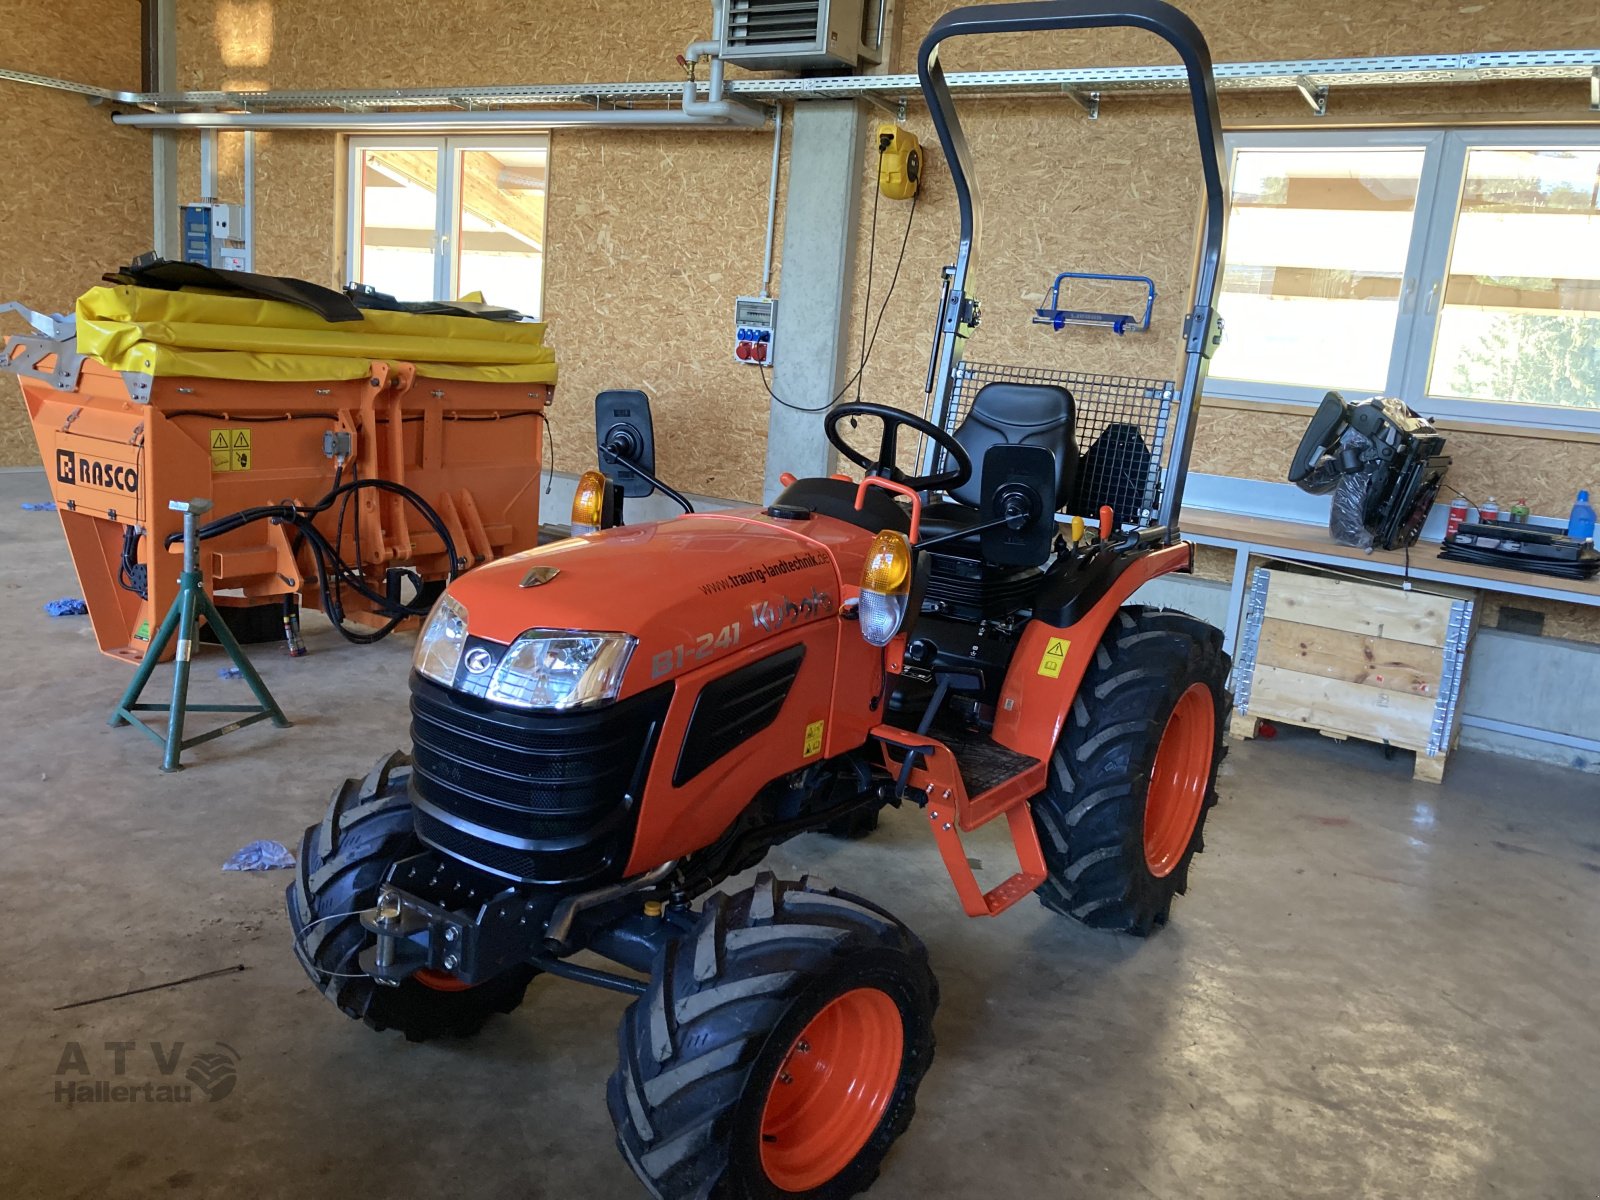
x=183 y=619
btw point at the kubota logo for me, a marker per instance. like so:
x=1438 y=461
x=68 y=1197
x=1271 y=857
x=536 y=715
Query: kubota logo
x=96 y=473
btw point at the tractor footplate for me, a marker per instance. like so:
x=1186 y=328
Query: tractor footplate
x=930 y=774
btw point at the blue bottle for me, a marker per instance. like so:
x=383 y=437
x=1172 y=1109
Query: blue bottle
x=1581 y=524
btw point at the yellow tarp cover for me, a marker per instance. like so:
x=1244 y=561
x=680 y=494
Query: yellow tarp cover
x=210 y=336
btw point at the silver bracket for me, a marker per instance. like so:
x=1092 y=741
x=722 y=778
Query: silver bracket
x=52 y=325
x=1088 y=101
x=897 y=111
x=1313 y=93
x=1594 y=90
x=138 y=384
x=22 y=356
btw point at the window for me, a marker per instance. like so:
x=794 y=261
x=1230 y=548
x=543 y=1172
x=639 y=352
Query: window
x=440 y=218
x=1459 y=271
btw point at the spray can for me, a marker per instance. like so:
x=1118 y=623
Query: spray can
x=1519 y=512
x=1489 y=510
x=1458 y=514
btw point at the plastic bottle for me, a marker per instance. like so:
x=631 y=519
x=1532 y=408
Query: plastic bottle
x=1489 y=510
x=1581 y=524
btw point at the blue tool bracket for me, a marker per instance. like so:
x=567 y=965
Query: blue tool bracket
x=1056 y=317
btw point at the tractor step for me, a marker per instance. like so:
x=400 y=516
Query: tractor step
x=940 y=771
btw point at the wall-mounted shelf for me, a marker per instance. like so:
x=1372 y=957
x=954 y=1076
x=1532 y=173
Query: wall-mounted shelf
x=1315 y=80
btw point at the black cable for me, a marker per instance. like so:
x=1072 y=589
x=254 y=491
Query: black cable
x=871 y=343
x=332 y=571
x=872 y=258
x=550 y=467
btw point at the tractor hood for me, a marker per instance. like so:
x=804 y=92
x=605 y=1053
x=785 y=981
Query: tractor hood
x=690 y=589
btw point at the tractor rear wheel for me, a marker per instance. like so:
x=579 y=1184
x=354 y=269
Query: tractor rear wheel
x=342 y=862
x=778 y=1050
x=1135 y=771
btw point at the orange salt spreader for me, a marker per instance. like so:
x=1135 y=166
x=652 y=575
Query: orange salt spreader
x=353 y=464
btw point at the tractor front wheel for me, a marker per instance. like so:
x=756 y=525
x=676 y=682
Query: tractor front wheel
x=342 y=862
x=1135 y=771
x=778 y=1050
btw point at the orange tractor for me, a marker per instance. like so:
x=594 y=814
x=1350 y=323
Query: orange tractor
x=606 y=728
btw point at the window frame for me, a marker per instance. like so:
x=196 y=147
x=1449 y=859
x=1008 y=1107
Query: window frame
x=447 y=213
x=1431 y=245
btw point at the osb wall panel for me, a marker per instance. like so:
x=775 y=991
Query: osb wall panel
x=650 y=240
x=76 y=199
x=1280 y=29
x=377 y=43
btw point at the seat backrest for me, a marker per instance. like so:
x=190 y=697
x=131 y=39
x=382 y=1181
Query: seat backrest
x=1020 y=414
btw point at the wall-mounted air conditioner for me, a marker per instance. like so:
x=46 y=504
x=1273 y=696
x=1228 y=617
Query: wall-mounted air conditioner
x=801 y=35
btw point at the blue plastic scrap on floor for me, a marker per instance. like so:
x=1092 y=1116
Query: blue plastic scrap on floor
x=260 y=856
x=67 y=606
x=39 y=505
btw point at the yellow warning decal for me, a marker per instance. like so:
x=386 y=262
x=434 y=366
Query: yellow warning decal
x=813 y=739
x=230 y=450
x=1054 y=655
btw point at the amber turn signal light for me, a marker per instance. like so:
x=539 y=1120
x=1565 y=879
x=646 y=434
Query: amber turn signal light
x=885 y=587
x=591 y=504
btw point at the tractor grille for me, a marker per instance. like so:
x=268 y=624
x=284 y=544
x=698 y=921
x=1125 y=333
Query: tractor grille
x=538 y=797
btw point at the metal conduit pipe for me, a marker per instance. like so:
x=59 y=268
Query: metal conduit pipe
x=450 y=122
x=772 y=199
x=715 y=105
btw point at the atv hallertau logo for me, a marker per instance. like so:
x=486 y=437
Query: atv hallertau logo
x=131 y=1073
x=84 y=471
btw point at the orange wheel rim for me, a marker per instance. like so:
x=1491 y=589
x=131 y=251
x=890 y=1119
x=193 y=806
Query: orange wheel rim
x=831 y=1089
x=439 y=981
x=1179 y=779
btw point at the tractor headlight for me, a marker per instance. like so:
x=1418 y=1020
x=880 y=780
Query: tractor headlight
x=885 y=587
x=444 y=634
x=560 y=668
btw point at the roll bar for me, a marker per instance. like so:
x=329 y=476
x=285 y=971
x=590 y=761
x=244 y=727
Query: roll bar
x=958 y=312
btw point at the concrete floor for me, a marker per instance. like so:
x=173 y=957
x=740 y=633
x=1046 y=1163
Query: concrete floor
x=1375 y=988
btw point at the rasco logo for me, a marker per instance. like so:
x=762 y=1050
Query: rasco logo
x=97 y=473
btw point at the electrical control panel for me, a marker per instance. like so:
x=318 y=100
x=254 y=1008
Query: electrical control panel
x=754 y=318
x=214 y=235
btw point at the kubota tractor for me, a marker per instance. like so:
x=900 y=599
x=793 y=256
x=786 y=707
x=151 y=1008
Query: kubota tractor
x=607 y=727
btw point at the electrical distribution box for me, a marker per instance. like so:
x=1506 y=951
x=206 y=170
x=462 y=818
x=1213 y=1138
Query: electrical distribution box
x=754 y=318
x=214 y=236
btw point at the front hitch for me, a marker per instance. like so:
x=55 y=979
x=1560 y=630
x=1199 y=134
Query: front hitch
x=412 y=934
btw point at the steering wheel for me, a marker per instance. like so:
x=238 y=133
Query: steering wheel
x=885 y=466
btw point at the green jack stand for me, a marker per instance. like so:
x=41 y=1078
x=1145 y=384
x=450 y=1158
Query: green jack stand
x=183 y=619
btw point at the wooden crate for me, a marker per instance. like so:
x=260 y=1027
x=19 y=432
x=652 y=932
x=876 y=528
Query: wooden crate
x=1355 y=658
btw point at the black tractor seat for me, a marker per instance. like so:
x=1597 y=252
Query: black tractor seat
x=1018 y=414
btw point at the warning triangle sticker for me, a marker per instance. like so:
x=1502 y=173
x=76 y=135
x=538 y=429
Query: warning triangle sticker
x=219 y=440
x=1056 y=649
x=241 y=439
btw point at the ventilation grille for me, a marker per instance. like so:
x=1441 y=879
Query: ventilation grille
x=730 y=711
x=770 y=24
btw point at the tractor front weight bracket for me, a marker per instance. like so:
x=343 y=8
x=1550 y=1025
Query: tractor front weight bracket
x=414 y=934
